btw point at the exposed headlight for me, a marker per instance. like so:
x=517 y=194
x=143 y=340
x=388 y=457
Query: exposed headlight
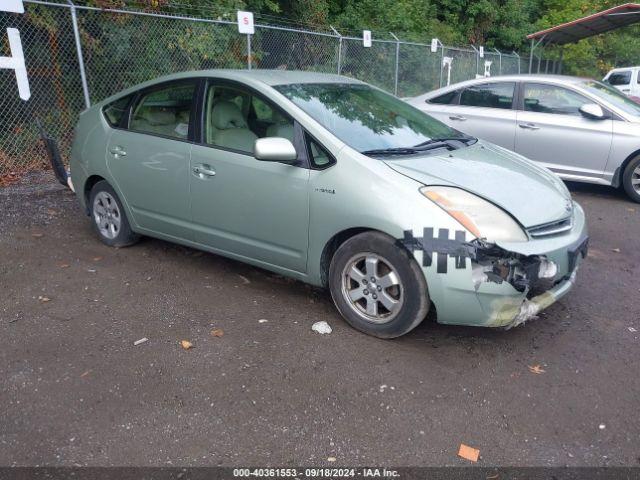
x=483 y=219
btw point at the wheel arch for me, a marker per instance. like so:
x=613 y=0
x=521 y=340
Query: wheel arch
x=334 y=243
x=617 y=178
x=88 y=185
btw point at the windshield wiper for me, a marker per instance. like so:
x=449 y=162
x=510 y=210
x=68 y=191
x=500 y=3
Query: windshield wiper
x=430 y=144
x=391 y=151
x=437 y=142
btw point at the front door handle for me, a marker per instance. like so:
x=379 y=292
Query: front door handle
x=204 y=171
x=459 y=118
x=118 y=151
x=529 y=126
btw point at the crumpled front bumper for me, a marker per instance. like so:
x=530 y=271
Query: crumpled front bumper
x=509 y=313
x=479 y=284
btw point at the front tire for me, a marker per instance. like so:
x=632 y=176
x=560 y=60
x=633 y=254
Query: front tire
x=377 y=286
x=631 y=179
x=108 y=217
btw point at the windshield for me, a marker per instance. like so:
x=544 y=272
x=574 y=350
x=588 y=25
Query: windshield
x=613 y=96
x=367 y=119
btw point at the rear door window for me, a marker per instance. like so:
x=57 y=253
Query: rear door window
x=620 y=78
x=164 y=111
x=489 y=95
x=543 y=98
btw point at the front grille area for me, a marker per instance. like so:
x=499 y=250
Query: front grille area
x=553 y=228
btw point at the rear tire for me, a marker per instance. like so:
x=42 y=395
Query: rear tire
x=630 y=175
x=377 y=286
x=108 y=218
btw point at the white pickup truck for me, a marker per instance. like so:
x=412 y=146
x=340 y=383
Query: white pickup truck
x=627 y=80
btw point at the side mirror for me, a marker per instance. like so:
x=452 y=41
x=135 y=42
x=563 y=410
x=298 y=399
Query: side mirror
x=275 y=149
x=592 y=111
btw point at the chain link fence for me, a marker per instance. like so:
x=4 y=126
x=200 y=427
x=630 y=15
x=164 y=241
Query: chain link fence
x=118 y=48
x=56 y=89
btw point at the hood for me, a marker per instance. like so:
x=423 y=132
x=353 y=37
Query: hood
x=531 y=194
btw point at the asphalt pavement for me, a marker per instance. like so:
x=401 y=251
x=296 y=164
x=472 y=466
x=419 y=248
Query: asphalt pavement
x=563 y=389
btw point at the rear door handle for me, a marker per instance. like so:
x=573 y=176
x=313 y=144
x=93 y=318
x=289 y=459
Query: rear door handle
x=459 y=118
x=118 y=151
x=529 y=126
x=204 y=171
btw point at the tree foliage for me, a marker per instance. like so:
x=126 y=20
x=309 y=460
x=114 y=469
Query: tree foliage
x=501 y=24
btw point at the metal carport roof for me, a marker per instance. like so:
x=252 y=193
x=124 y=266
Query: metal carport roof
x=570 y=32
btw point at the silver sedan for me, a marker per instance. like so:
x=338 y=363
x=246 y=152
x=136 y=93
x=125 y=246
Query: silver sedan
x=579 y=128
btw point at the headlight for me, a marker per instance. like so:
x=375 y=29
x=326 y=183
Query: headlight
x=483 y=219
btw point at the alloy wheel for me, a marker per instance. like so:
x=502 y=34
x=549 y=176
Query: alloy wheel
x=106 y=214
x=372 y=287
x=635 y=179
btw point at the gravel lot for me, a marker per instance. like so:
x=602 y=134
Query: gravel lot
x=75 y=390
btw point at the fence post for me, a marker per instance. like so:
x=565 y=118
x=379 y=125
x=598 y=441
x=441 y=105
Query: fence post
x=76 y=35
x=248 y=51
x=441 y=62
x=499 y=61
x=397 y=62
x=518 y=57
x=339 y=49
x=477 y=59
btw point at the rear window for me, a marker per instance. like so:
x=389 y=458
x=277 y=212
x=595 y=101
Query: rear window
x=114 y=111
x=620 y=78
x=489 y=95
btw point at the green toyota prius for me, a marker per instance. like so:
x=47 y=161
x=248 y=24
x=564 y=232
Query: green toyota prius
x=334 y=182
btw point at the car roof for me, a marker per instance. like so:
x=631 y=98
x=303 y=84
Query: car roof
x=618 y=69
x=250 y=77
x=556 y=79
x=270 y=77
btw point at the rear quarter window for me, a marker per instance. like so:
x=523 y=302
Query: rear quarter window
x=114 y=111
x=445 y=99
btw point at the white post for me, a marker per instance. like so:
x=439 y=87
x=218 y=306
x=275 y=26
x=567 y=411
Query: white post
x=446 y=62
x=246 y=26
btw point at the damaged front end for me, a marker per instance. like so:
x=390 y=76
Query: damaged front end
x=537 y=280
x=535 y=276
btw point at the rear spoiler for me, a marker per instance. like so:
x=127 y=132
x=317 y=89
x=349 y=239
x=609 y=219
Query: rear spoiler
x=55 y=158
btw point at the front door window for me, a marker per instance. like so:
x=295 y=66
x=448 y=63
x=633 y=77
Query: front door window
x=235 y=118
x=543 y=98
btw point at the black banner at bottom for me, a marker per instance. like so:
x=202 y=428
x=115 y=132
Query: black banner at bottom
x=300 y=473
